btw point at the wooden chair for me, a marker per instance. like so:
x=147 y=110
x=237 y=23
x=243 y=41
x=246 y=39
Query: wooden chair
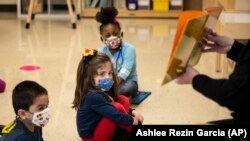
x=33 y=3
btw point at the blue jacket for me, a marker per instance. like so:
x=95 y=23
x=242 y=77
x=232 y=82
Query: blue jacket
x=92 y=109
x=21 y=133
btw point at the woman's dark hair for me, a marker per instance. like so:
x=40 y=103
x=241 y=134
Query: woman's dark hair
x=25 y=93
x=86 y=71
x=106 y=16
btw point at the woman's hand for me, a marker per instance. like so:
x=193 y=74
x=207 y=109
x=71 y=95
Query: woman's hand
x=187 y=76
x=213 y=42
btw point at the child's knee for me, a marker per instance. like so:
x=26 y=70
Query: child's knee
x=129 y=88
x=123 y=99
x=118 y=106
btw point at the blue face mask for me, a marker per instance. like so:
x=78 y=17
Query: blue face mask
x=105 y=84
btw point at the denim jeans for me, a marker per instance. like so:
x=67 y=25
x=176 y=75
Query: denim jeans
x=129 y=88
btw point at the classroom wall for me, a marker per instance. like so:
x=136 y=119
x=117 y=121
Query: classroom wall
x=242 y=5
x=230 y=5
x=2 y=2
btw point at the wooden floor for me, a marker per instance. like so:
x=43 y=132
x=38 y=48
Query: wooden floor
x=56 y=48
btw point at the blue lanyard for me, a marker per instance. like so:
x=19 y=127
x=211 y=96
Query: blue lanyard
x=117 y=59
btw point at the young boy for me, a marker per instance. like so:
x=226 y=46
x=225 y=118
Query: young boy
x=30 y=102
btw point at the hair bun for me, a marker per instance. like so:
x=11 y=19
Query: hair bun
x=106 y=15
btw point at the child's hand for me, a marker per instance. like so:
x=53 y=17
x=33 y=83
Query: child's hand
x=136 y=121
x=138 y=116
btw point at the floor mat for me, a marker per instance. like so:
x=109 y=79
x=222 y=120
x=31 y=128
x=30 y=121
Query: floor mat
x=142 y=95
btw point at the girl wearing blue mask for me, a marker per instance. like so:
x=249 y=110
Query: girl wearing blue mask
x=122 y=54
x=100 y=110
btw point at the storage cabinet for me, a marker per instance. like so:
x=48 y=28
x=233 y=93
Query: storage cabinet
x=135 y=9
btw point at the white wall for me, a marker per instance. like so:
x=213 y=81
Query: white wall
x=8 y=1
x=242 y=5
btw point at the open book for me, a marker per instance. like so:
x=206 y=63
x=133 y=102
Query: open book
x=190 y=28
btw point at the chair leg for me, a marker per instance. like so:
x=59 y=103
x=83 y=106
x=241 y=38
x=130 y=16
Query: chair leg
x=225 y=67
x=218 y=63
x=71 y=14
x=34 y=10
x=77 y=11
x=30 y=11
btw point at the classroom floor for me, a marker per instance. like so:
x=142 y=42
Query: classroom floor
x=56 y=48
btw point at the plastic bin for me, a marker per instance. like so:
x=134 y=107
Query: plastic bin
x=160 y=5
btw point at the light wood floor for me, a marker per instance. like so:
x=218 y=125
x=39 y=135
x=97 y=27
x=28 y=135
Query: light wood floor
x=56 y=48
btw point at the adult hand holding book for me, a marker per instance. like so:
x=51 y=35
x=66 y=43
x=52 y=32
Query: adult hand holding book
x=214 y=42
x=186 y=48
x=211 y=42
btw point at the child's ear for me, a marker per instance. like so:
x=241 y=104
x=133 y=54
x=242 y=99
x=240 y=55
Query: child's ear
x=122 y=34
x=22 y=114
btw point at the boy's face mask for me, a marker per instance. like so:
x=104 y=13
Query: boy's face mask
x=39 y=118
x=105 y=84
x=113 y=42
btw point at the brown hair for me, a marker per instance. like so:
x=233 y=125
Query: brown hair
x=86 y=71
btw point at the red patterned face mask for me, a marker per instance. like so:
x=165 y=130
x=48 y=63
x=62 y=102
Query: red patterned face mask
x=113 y=42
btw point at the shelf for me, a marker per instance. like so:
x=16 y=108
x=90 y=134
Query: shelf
x=48 y=11
x=136 y=13
x=92 y=8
